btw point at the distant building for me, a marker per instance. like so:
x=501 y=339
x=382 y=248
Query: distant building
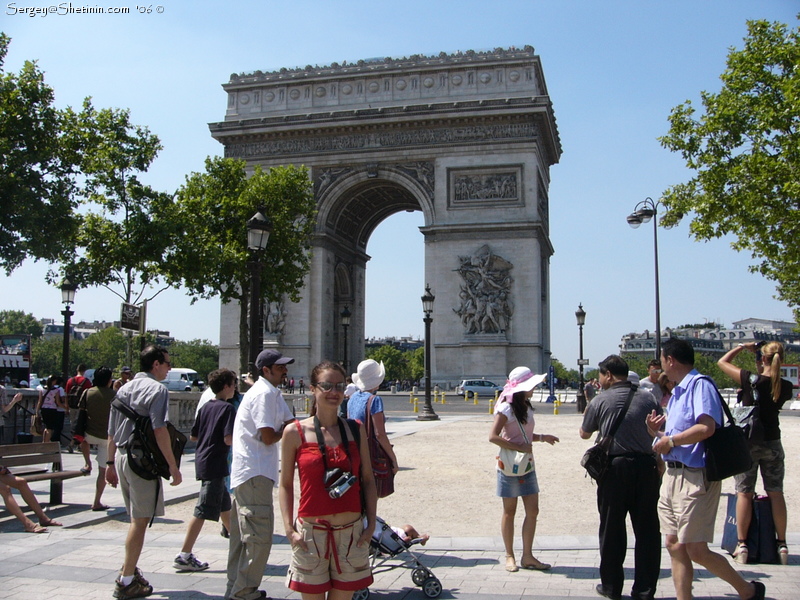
x=403 y=344
x=716 y=340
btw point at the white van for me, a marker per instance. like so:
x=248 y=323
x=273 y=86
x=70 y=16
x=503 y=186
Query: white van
x=180 y=380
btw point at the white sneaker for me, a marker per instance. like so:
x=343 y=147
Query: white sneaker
x=189 y=564
x=783 y=554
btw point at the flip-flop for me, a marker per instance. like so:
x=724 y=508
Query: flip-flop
x=100 y=508
x=36 y=529
x=50 y=523
x=86 y=471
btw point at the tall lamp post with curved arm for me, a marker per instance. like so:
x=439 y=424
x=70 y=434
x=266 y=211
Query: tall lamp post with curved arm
x=643 y=212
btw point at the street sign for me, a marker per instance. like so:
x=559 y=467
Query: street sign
x=583 y=361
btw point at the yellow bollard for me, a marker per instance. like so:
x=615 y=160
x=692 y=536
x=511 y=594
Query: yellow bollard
x=496 y=395
x=556 y=403
x=306 y=404
x=443 y=400
x=491 y=407
x=416 y=407
x=466 y=396
x=475 y=398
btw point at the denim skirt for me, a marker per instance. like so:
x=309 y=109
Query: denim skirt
x=509 y=486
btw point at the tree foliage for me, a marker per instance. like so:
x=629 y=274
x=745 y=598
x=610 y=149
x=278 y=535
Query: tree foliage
x=394 y=361
x=38 y=162
x=210 y=258
x=16 y=321
x=745 y=150
x=200 y=355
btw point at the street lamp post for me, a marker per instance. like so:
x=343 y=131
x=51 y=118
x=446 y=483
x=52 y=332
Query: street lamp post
x=258 y=230
x=642 y=213
x=67 y=297
x=427 y=413
x=345 y=316
x=580 y=316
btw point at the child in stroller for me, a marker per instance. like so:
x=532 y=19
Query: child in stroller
x=389 y=542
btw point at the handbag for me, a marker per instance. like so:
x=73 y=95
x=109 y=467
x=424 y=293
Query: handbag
x=382 y=465
x=513 y=462
x=727 y=450
x=596 y=459
x=79 y=426
x=37 y=426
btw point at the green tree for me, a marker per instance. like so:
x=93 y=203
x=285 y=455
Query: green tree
x=200 y=355
x=105 y=348
x=38 y=156
x=394 y=361
x=122 y=239
x=46 y=356
x=745 y=150
x=210 y=258
x=17 y=321
x=416 y=363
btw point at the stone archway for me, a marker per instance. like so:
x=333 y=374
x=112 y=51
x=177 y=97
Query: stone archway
x=468 y=139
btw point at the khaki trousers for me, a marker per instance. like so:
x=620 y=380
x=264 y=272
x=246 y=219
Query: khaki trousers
x=252 y=522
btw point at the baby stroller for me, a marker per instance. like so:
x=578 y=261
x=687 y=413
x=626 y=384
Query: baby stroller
x=386 y=545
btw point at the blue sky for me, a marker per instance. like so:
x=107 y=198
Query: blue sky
x=614 y=69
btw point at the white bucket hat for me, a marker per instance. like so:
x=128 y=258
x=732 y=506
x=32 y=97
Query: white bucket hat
x=520 y=379
x=369 y=375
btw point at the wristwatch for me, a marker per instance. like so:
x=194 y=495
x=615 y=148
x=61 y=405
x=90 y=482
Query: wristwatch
x=671 y=442
x=109 y=462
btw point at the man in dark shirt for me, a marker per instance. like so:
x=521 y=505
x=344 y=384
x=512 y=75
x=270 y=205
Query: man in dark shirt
x=630 y=486
x=213 y=432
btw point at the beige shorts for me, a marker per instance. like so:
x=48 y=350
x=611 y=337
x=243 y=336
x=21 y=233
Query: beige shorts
x=687 y=507
x=333 y=560
x=102 y=449
x=143 y=497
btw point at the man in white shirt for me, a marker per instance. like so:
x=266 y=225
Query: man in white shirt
x=650 y=383
x=259 y=425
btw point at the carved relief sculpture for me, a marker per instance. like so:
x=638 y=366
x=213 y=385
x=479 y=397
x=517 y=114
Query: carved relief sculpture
x=275 y=319
x=486 y=305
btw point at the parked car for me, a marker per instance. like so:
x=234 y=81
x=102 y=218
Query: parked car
x=482 y=387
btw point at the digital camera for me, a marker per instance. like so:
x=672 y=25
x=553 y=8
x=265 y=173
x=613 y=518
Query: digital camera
x=338 y=481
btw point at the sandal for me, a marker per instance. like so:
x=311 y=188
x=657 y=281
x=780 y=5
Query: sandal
x=86 y=470
x=50 y=523
x=35 y=529
x=511 y=564
x=537 y=565
x=100 y=508
x=741 y=552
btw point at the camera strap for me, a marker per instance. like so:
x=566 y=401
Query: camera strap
x=321 y=441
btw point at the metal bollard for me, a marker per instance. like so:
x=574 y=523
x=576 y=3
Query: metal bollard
x=416 y=407
x=556 y=404
x=475 y=398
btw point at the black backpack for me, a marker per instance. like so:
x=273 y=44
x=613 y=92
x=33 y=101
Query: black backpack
x=144 y=455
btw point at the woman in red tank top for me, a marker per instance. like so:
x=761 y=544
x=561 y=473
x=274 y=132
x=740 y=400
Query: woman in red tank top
x=336 y=512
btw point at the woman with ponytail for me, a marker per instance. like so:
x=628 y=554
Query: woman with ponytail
x=770 y=392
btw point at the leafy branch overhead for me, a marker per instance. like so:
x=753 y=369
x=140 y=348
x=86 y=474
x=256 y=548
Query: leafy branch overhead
x=745 y=151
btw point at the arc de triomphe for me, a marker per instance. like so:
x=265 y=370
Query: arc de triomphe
x=466 y=138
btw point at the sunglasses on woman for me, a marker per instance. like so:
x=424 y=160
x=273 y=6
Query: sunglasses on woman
x=327 y=386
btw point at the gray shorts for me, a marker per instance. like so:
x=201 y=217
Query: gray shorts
x=770 y=458
x=143 y=497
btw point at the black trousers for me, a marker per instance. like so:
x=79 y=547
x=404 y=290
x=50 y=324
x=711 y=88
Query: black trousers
x=630 y=487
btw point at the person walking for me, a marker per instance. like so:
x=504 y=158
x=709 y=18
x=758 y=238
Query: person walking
x=766 y=389
x=335 y=474
x=630 y=486
x=144 y=498
x=52 y=405
x=513 y=428
x=257 y=429
x=96 y=401
x=687 y=506
x=213 y=432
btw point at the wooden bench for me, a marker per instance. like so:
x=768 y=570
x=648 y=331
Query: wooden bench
x=47 y=454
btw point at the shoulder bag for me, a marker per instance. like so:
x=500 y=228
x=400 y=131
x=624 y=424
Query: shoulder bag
x=596 y=459
x=382 y=465
x=512 y=462
x=747 y=412
x=727 y=450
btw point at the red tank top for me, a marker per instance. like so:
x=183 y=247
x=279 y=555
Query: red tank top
x=314 y=498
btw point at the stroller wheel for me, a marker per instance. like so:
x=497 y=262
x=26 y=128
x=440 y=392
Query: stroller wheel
x=432 y=587
x=419 y=575
x=361 y=594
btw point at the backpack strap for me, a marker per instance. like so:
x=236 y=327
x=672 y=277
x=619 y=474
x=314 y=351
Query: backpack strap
x=124 y=409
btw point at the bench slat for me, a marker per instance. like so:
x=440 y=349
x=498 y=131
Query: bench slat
x=59 y=475
x=26 y=449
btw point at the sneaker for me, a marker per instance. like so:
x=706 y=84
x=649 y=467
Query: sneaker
x=783 y=554
x=741 y=553
x=761 y=590
x=135 y=589
x=189 y=564
x=224 y=532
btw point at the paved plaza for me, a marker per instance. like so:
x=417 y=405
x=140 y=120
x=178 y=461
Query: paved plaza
x=82 y=559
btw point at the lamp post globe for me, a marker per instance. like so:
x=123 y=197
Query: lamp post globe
x=259 y=228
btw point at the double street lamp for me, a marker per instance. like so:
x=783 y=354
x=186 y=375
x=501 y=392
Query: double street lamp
x=580 y=316
x=68 y=290
x=427 y=413
x=345 y=317
x=643 y=212
x=259 y=228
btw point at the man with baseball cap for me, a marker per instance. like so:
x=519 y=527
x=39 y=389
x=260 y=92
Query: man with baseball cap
x=259 y=425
